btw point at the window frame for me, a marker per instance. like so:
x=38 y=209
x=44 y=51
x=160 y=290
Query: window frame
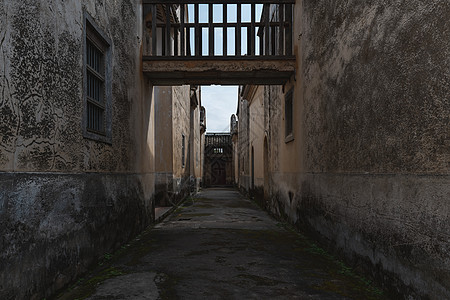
x=98 y=38
x=289 y=116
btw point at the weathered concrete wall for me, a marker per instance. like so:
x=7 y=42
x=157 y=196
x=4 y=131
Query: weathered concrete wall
x=173 y=120
x=382 y=68
x=54 y=226
x=163 y=146
x=369 y=166
x=181 y=126
x=257 y=134
x=64 y=199
x=196 y=144
x=234 y=139
x=202 y=157
x=368 y=169
x=163 y=129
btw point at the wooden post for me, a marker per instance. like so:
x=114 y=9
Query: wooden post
x=261 y=43
x=154 y=37
x=210 y=30
x=175 y=41
x=197 y=32
x=168 y=44
x=266 y=29
x=238 y=30
x=163 y=43
x=182 y=35
x=188 y=40
x=225 y=30
x=252 y=31
x=281 y=30
x=289 y=29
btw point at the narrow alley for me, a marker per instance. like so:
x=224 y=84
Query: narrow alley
x=332 y=117
x=221 y=245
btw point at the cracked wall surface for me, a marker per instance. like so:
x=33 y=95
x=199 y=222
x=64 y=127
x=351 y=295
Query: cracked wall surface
x=66 y=200
x=368 y=170
x=176 y=116
x=382 y=77
x=376 y=138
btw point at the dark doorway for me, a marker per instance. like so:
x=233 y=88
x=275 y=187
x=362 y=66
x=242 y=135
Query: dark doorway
x=218 y=173
x=218 y=159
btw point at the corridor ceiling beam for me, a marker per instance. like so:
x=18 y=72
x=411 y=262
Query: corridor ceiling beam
x=223 y=72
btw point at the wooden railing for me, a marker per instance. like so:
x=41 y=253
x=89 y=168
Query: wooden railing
x=180 y=34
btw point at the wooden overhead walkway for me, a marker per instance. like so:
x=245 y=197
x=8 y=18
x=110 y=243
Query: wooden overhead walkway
x=247 y=42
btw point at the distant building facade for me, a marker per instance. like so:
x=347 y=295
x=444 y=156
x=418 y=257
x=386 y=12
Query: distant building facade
x=179 y=142
x=218 y=167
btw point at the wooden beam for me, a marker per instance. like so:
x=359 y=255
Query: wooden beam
x=218 y=58
x=198 y=31
x=252 y=30
x=225 y=30
x=203 y=78
x=289 y=30
x=238 y=30
x=218 y=25
x=182 y=29
x=266 y=29
x=219 y=65
x=281 y=29
x=168 y=44
x=210 y=30
x=188 y=41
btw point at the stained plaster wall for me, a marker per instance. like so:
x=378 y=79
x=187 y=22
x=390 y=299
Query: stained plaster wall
x=202 y=157
x=163 y=145
x=257 y=134
x=66 y=200
x=369 y=167
x=181 y=126
x=236 y=170
x=196 y=144
x=172 y=120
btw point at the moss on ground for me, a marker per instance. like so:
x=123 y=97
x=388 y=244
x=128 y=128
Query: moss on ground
x=86 y=287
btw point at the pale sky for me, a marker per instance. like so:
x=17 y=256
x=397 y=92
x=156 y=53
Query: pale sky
x=220 y=103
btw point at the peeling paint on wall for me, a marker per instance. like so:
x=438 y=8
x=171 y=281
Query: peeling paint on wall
x=66 y=200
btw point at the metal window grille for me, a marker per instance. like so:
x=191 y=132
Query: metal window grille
x=95 y=89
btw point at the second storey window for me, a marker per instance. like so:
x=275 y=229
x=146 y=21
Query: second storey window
x=97 y=83
x=95 y=71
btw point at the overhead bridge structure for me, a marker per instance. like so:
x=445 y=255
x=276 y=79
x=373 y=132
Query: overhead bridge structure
x=225 y=42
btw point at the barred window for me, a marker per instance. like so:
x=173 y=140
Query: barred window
x=97 y=85
x=95 y=72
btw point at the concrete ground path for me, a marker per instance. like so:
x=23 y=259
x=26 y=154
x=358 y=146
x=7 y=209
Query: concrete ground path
x=220 y=245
